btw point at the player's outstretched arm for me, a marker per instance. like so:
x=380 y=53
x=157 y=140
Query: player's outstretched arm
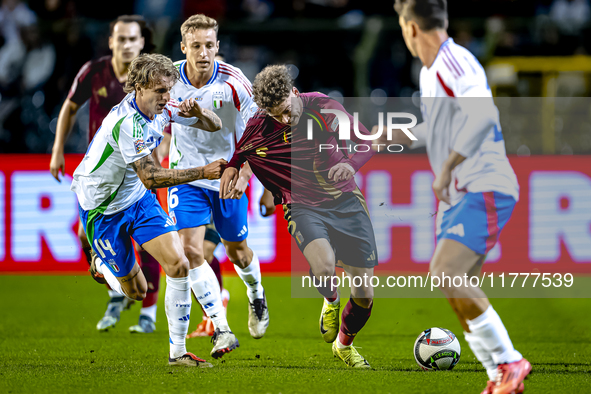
x=208 y=120
x=65 y=121
x=154 y=177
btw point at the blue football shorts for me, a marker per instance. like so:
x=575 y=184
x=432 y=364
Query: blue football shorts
x=109 y=235
x=191 y=206
x=477 y=220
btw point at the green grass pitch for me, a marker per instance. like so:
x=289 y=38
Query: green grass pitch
x=49 y=344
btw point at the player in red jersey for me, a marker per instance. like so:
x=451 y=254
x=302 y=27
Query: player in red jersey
x=325 y=210
x=101 y=81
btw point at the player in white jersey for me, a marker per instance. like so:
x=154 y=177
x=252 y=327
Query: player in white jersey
x=112 y=185
x=223 y=89
x=474 y=181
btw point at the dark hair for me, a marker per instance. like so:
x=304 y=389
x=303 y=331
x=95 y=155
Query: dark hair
x=428 y=14
x=145 y=30
x=272 y=86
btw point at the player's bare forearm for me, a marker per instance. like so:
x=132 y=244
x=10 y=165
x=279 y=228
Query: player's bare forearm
x=207 y=119
x=65 y=121
x=245 y=172
x=155 y=177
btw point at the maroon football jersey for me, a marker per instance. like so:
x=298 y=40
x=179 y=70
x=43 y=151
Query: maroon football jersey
x=96 y=81
x=290 y=165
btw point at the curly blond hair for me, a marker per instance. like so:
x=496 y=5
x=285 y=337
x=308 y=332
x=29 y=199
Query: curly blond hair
x=146 y=68
x=199 y=22
x=272 y=86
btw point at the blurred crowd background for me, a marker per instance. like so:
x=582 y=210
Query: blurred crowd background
x=344 y=48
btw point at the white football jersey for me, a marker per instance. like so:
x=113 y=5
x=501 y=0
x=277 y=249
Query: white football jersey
x=454 y=94
x=104 y=180
x=228 y=93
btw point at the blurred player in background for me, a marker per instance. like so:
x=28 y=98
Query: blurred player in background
x=101 y=81
x=113 y=185
x=226 y=91
x=325 y=211
x=474 y=181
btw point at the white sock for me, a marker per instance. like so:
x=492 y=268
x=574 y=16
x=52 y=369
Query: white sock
x=336 y=301
x=113 y=293
x=493 y=335
x=149 y=311
x=177 y=302
x=251 y=276
x=482 y=355
x=111 y=279
x=206 y=288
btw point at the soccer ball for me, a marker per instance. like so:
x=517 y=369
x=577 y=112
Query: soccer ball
x=437 y=349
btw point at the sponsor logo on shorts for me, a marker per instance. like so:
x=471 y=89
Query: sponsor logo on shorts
x=169 y=222
x=372 y=256
x=139 y=145
x=243 y=231
x=458 y=230
x=172 y=216
x=299 y=237
x=113 y=265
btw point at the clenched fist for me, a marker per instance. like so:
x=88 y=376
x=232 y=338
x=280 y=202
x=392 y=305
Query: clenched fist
x=214 y=170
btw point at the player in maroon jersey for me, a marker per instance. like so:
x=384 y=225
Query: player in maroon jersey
x=101 y=81
x=325 y=210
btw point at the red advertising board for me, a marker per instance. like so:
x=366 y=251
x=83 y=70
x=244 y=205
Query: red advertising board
x=550 y=229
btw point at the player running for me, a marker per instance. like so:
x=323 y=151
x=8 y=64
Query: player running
x=325 y=210
x=474 y=181
x=226 y=91
x=112 y=184
x=101 y=81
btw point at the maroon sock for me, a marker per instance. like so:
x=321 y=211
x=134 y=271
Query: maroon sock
x=324 y=288
x=353 y=319
x=151 y=270
x=215 y=266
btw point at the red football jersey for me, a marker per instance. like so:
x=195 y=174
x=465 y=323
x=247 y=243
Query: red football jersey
x=290 y=165
x=96 y=81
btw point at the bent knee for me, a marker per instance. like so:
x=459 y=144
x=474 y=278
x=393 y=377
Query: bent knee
x=136 y=294
x=323 y=271
x=193 y=253
x=178 y=268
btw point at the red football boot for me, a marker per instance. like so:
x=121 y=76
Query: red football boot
x=510 y=377
x=490 y=386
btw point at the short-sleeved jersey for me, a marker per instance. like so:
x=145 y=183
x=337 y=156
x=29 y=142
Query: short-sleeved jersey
x=96 y=81
x=450 y=91
x=104 y=180
x=228 y=93
x=290 y=165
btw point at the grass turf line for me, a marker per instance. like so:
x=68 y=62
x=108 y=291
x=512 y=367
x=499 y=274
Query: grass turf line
x=49 y=344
